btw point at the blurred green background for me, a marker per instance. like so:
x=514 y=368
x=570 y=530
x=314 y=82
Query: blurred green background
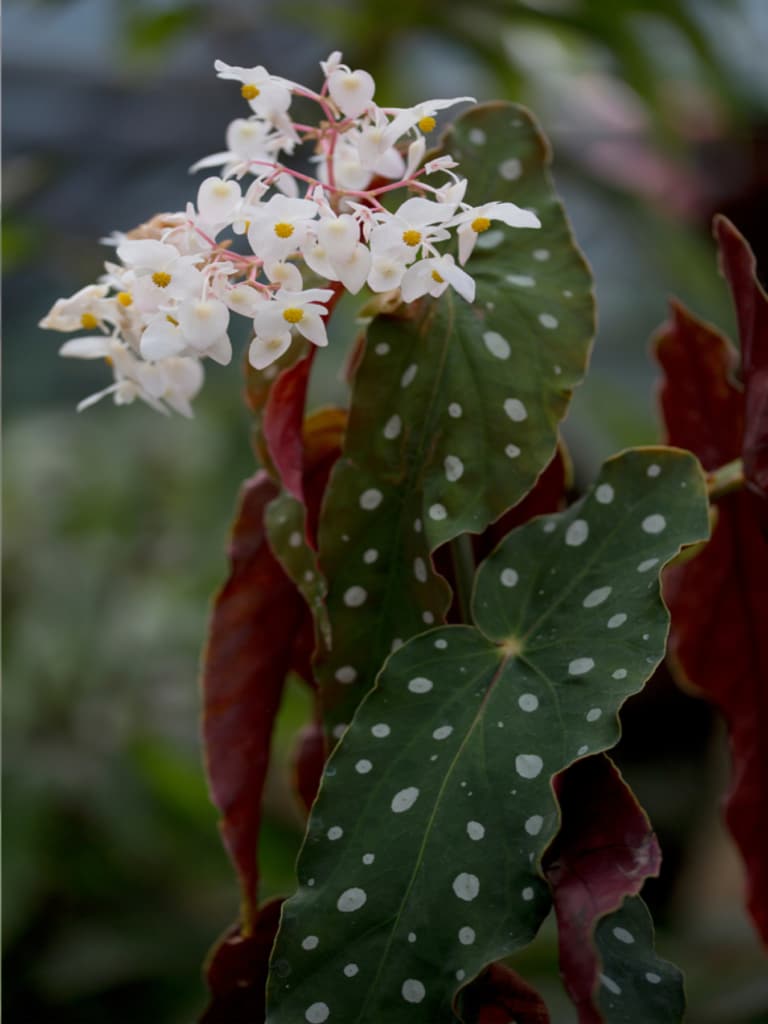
x=116 y=521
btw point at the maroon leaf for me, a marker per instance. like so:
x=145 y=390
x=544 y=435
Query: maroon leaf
x=499 y=995
x=283 y=420
x=751 y=302
x=308 y=760
x=604 y=852
x=719 y=599
x=236 y=972
x=255 y=619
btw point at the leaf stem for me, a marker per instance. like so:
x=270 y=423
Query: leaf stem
x=726 y=479
x=463 y=557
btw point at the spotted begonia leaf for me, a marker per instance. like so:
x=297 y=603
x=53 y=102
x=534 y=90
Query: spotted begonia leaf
x=255 y=622
x=455 y=408
x=635 y=983
x=421 y=863
x=719 y=641
x=604 y=852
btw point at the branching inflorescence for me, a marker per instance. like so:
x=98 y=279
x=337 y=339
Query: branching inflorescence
x=166 y=304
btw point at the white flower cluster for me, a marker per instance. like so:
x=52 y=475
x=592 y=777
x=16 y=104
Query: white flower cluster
x=166 y=304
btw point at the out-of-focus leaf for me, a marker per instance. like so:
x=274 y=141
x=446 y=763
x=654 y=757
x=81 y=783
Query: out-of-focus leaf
x=149 y=31
x=421 y=862
x=255 y=619
x=500 y=995
x=719 y=599
x=308 y=760
x=604 y=851
x=455 y=409
x=738 y=266
x=236 y=972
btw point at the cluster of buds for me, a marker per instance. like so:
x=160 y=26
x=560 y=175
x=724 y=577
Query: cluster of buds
x=167 y=304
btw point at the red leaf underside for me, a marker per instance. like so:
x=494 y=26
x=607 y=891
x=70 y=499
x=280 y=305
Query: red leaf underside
x=603 y=853
x=719 y=599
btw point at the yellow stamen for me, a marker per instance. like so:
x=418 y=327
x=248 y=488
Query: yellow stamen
x=283 y=229
x=124 y=298
x=171 y=320
x=293 y=315
x=250 y=92
x=108 y=360
x=88 y=321
x=161 y=279
x=427 y=124
x=436 y=277
x=480 y=224
x=411 y=237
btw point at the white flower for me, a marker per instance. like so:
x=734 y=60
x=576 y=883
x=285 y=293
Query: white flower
x=280 y=227
x=414 y=226
x=264 y=350
x=85 y=309
x=267 y=94
x=218 y=200
x=386 y=271
x=422 y=116
x=351 y=91
x=198 y=327
x=302 y=310
x=477 y=219
x=163 y=274
x=432 y=276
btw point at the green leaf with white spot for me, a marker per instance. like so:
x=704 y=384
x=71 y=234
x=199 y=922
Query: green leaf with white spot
x=455 y=407
x=286 y=522
x=636 y=984
x=421 y=863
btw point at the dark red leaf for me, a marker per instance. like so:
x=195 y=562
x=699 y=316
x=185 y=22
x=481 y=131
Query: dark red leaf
x=751 y=302
x=308 y=760
x=250 y=650
x=604 y=852
x=283 y=420
x=719 y=599
x=236 y=972
x=499 y=995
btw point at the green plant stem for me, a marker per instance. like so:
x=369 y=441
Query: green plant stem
x=463 y=558
x=726 y=479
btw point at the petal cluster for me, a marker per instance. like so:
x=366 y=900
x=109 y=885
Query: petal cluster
x=258 y=227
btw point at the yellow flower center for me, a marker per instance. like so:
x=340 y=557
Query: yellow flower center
x=171 y=319
x=436 y=277
x=411 y=236
x=283 y=229
x=88 y=321
x=293 y=315
x=427 y=124
x=480 y=224
x=161 y=279
x=250 y=92
x=124 y=298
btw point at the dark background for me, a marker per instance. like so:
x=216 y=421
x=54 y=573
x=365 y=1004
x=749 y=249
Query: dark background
x=116 y=520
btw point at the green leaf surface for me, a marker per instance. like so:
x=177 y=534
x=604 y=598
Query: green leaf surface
x=422 y=858
x=636 y=984
x=455 y=408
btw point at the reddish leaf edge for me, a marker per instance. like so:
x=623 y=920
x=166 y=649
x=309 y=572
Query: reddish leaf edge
x=605 y=850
